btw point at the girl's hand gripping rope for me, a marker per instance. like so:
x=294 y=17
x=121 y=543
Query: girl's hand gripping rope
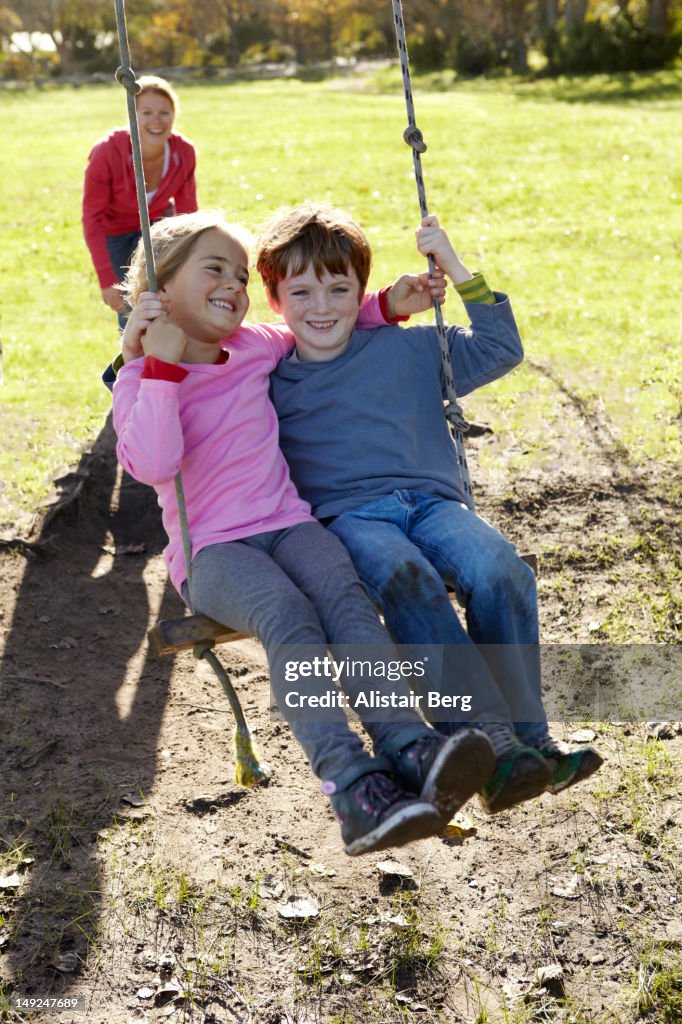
x=148 y=308
x=164 y=340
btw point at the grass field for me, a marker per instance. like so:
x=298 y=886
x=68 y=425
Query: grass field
x=567 y=194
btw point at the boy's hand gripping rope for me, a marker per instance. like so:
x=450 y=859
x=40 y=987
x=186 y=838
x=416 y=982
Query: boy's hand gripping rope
x=249 y=771
x=415 y=140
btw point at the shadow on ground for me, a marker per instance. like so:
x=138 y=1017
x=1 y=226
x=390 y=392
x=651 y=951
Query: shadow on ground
x=76 y=628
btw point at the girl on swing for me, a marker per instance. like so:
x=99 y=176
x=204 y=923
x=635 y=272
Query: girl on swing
x=194 y=395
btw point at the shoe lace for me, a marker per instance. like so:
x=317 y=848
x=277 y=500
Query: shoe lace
x=501 y=737
x=551 y=747
x=421 y=748
x=377 y=792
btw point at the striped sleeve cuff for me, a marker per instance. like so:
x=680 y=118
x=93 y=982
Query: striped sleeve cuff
x=476 y=290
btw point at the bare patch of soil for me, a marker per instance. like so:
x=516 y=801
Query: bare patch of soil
x=136 y=876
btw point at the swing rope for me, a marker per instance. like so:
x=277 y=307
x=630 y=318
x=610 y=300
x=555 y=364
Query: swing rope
x=415 y=140
x=249 y=771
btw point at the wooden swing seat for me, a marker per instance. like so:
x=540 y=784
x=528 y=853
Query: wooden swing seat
x=172 y=635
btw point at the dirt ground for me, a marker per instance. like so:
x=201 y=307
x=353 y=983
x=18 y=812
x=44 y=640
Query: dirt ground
x=139 y=879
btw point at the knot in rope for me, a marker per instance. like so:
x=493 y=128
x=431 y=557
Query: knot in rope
x=126 y=76
x=200 y=649
x=414 y=138
x=455 y=417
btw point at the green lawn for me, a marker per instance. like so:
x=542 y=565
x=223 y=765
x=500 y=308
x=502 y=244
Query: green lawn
x=567 y=194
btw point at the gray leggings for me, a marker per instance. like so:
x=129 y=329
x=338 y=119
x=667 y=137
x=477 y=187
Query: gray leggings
x=297 y=591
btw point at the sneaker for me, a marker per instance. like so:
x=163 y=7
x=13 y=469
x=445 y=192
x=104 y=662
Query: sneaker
x=521 y=773
x=446 y=772
x=375 y=815
x=567 y=765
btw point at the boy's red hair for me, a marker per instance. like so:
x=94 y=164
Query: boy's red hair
x=316 y=235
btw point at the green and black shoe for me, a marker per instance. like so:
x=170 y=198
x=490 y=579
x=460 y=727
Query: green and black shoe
x=520 y=774
x=567 y=765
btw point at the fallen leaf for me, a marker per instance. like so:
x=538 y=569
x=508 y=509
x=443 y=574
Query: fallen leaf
x=569 y=891
x=270 y=888
x=11 y=881
x=459 y=828
x=133 y=799
x=65 y=963
x=65 y=644
x=299 y=908
x=320 y=869
x=583 y=736
x=167 y=993
x=398 y=922
x=394 y=869
x=660 y=731
x=551 y=978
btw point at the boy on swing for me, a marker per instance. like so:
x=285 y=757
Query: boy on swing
x=362 y=428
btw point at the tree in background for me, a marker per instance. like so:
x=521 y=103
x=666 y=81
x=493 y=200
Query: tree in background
x=75 y=27
x=471 y=36
x=632 y=35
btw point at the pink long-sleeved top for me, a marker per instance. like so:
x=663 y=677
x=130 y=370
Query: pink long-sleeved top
x=215 y=422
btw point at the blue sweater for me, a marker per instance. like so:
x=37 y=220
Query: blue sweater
x=371 y=421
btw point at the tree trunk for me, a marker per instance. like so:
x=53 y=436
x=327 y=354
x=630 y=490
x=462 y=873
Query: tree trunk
x=520 y=62
x=328 y=35
x=550 y=12
x=64 y=51
x=36 y=81
x=658 y=17
x=515 y=25
x=574 y=12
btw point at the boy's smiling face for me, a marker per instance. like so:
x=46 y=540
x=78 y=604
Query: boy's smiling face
x=321 y=314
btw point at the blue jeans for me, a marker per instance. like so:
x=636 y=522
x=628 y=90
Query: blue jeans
x=121 y=249
x=297 y=591
x=405 y=548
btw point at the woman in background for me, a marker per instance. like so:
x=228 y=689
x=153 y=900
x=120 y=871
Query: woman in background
x=111 y=221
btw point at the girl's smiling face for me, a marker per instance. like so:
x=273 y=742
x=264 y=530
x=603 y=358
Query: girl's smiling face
x=208 y=294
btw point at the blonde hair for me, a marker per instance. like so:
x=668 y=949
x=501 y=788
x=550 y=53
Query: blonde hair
x=173 y=239
x=153 y=83
x=313 y=234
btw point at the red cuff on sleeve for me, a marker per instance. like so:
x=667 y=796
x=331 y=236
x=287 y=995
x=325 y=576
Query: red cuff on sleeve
x=157 y=369
x=383 y=306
